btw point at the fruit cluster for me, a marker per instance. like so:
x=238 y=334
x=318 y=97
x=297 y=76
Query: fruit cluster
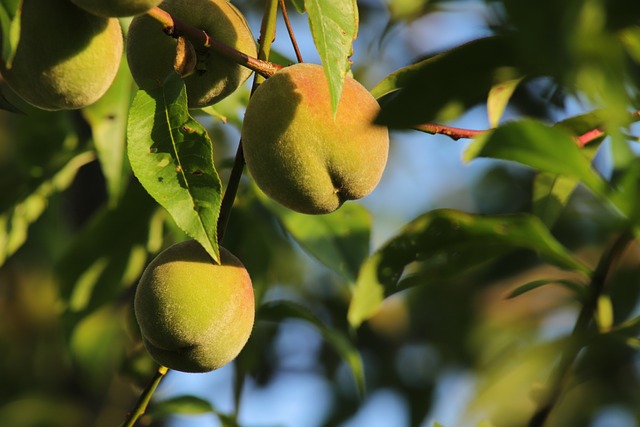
x=195 y=315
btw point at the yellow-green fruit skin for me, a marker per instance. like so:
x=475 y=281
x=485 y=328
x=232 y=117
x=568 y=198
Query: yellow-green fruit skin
x=116 y=7
x=299 y=155
x=151 y=53
x=194 y=315
x=66 y=58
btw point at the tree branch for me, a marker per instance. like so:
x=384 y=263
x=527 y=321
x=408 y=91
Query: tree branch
x=292 y=36
x=174 y=27
x=460 y=133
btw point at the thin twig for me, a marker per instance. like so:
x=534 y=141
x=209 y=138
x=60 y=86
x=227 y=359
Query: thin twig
x=287 y=22
x=267 y=36
x=450 y=131
x=175 y=27
x=144 y=399
x=460 y=133
x=580 y=331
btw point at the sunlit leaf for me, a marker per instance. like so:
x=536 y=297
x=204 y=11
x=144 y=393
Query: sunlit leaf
x=108 y=120
x=340 y=240
x=542 y=147
x=417 y=93
x=172 y=156
x=551 y=192
x=498 y=99
x=279 y=310
x=334 y=26
x=453 y=240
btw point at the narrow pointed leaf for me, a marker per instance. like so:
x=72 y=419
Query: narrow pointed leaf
x=498 y=99
x=542 y=147
x=108 y=120
x=530 y=286
x=444 y=241
x=172 y=157
x=279 y=310
x=334 y=26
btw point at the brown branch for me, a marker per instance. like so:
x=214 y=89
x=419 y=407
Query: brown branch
x=174 y=27
x=452 y=132
x=292 y=36
x=460 y=133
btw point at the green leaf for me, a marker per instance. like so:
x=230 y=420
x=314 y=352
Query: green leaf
x=334 y=26
x=448 y=240
x=542 y=147
x=108 y=120
x=97 y=345
x=498 y=99
x=180 y=405
x=551 y=192
x=16 y=219
x=110 y=252
x=580 y=290
x=277 y=311
x=417 y=93
x=172 y=157
x=340 y=240
x=10 y=13
x=299 y=5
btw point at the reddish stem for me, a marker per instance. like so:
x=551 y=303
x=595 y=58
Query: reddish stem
x=177 y=28
x=292 y=36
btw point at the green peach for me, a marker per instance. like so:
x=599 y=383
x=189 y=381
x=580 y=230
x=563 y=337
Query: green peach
x=194 y=315
x=66 y=57
x=116 y=7
x=151 y=53
x=302 y=157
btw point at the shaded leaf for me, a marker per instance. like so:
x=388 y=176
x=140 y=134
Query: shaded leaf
x=334 y=26
x=277 y=311
x=16 y=219
x=340 y=240
x=418 y=93
x=110 y=253
x=108 y=120
x=98 y=345
x=180 y=405
x=542 y=147
x=448 y=240
x=580 y=290
x=172 y=157
x=299 y=5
